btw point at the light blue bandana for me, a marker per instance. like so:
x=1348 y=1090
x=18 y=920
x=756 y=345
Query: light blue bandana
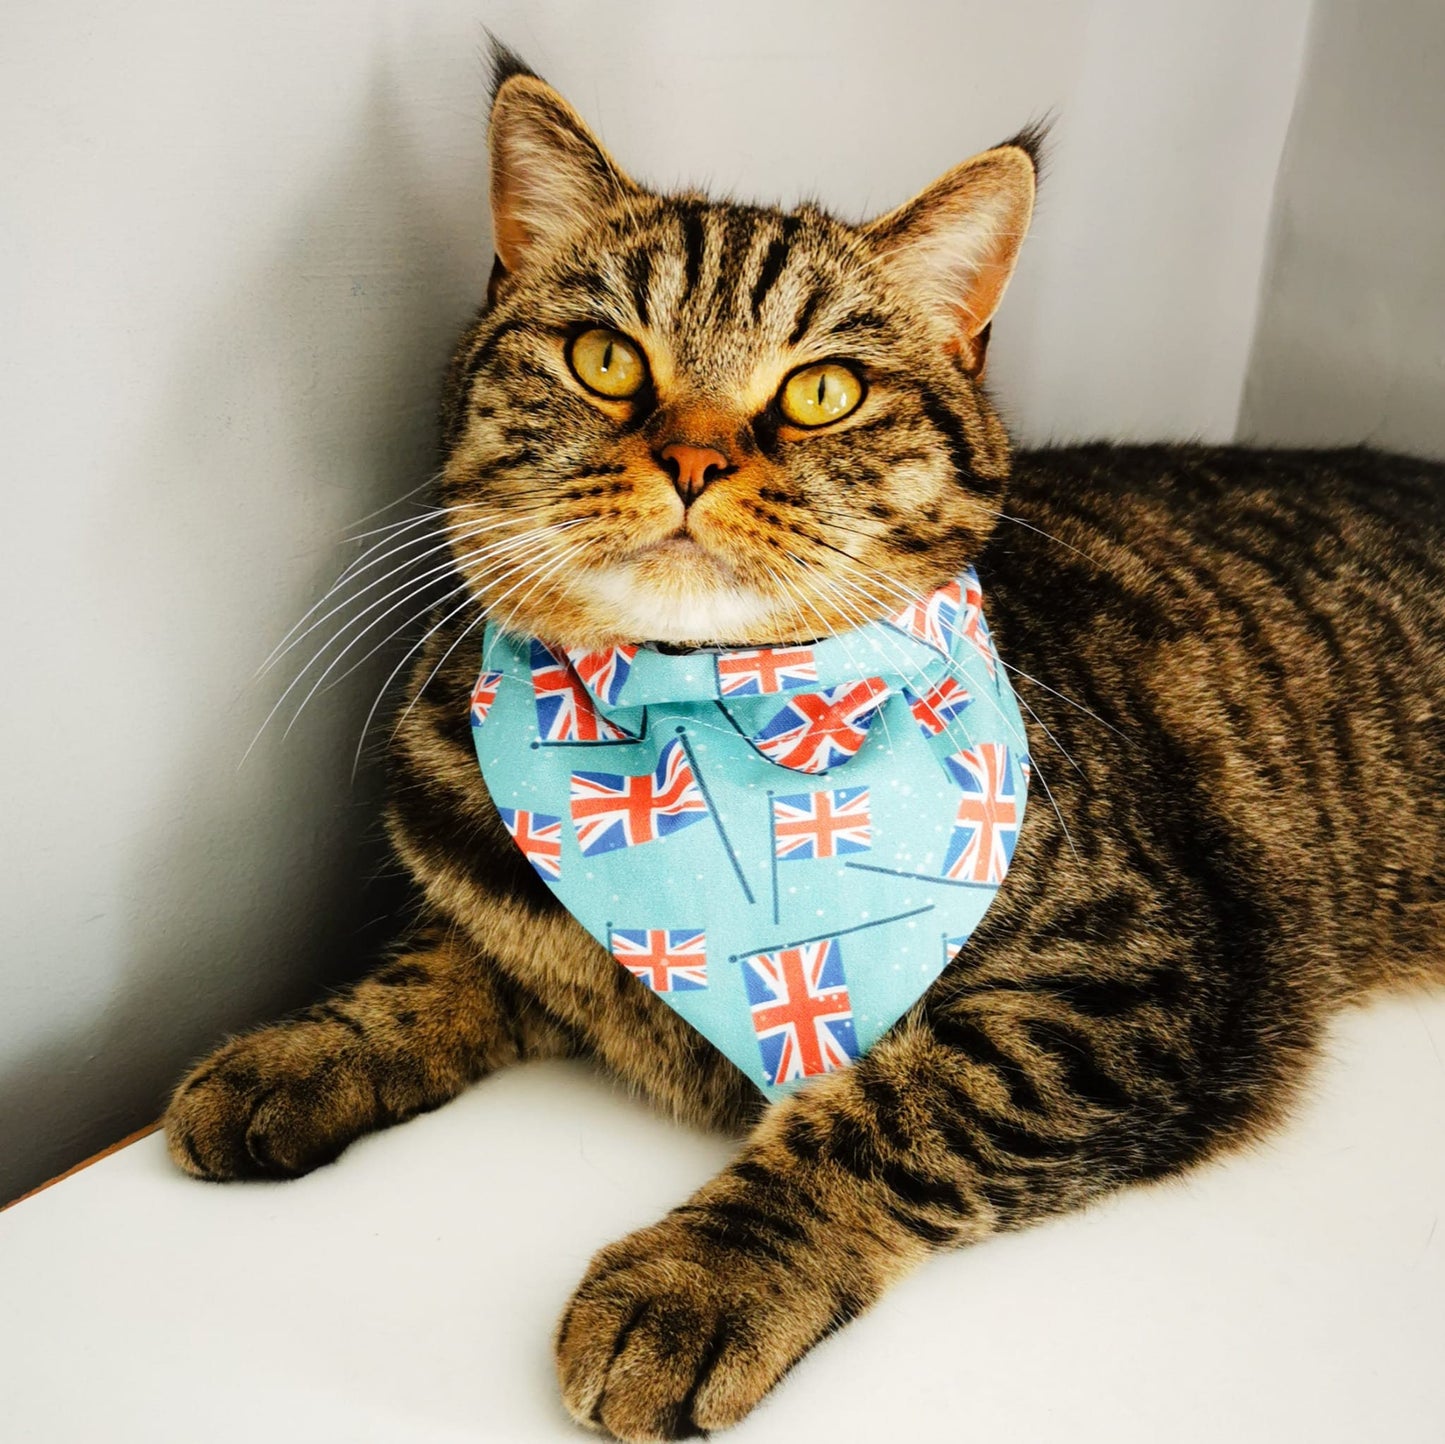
x=787 y=844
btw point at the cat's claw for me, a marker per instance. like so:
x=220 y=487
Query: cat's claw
x=670 y=1336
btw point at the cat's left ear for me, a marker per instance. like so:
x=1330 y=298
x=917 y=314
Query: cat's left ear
x=954 y=245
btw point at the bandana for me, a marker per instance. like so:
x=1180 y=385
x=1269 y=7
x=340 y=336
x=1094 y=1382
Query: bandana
x=786 y=844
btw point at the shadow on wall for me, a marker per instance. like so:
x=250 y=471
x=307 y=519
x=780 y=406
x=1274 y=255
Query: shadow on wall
x=250 y=890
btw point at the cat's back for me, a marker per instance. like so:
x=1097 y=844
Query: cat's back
x=1336 y=550
x=1260 y=632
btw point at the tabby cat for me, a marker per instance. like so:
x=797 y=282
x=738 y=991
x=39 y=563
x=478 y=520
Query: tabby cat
x=1233 y=662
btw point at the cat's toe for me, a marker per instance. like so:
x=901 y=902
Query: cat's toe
x=669 y=1337
x=265 y=1106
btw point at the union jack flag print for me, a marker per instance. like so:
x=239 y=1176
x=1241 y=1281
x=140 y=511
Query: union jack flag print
x=605 y=672
x=986 y=829
x=539 y=837
x=952 y=947
x=822 y=824
x=483 y=695
x=802 y=1014
x=943 y=703
x=973 y=627
x=819 y=730
x=565 y=710
x=667 y=960
x=611 y=811
x=764 y=669
x=933 y=619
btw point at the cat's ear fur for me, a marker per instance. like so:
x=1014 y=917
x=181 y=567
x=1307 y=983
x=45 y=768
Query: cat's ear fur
x=550 y=176
x=955 y=244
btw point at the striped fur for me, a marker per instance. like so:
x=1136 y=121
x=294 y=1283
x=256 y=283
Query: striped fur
x=1235 y=661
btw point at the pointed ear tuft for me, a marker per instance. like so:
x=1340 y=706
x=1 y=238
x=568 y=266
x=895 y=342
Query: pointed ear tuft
x=954 y=245
x=505 y=63
x=550 y=176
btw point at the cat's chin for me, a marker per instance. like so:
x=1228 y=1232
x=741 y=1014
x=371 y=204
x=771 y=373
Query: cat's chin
x=679 y=594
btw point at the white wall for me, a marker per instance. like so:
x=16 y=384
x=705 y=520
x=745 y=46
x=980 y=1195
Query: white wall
x=238 y=242
x=1351 y=339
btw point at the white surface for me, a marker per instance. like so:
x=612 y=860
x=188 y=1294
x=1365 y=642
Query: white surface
x=1351 y=340
x=406 y=1294
x=238 y=243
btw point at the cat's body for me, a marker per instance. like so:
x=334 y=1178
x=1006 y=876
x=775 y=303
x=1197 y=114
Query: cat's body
x=1234 y=663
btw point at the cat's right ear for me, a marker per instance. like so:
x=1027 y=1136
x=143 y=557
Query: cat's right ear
x=955 y=245
x=550 y=176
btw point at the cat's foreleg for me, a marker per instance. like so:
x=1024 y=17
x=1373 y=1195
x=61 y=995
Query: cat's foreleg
x=960 y=1123
x=286 y=1098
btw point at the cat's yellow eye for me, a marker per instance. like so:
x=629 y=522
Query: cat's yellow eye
x=608 y=364
x=819 y=394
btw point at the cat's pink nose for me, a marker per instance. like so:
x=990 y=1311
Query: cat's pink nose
x=693 y=468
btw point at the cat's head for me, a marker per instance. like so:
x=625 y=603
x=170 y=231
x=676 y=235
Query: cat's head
x=693 y=421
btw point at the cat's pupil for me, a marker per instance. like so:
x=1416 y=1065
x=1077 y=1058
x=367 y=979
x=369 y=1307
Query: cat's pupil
x=822 y=386
x=607 y=357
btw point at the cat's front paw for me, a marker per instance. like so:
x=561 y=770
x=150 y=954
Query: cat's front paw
x=273 y=1104
x=670 y=1335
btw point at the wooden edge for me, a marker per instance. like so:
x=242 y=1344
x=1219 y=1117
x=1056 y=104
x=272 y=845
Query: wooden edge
x=85 y=1163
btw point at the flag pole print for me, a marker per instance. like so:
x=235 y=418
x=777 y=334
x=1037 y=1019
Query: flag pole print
x=785 y=844
x=716 y=820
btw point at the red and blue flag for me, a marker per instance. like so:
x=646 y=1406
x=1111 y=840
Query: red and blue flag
x=565 y=709
x=760 y=670
x=802 y=1014
x=483 y=695
x=822 y=824
x=973 y=628
x=933 y=619
x=611 y=810
x=539 y=836
x=605 y=671
x=944 y=702
x=819 y=730
x=667 y=960
x=986 y=828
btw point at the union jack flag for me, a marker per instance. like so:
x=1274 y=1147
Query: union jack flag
x=605 y=672
x=822 y=824
x=819 y=730
x=565 y=710
x=539 y=837
x=981 y=845
x=952 y=947
x=667 y=960
x=941 y=704
x=974 y=628
x=611 y=811
x=483 y=695
x=933 y=619
x=802 y=1014
x=764 y=669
